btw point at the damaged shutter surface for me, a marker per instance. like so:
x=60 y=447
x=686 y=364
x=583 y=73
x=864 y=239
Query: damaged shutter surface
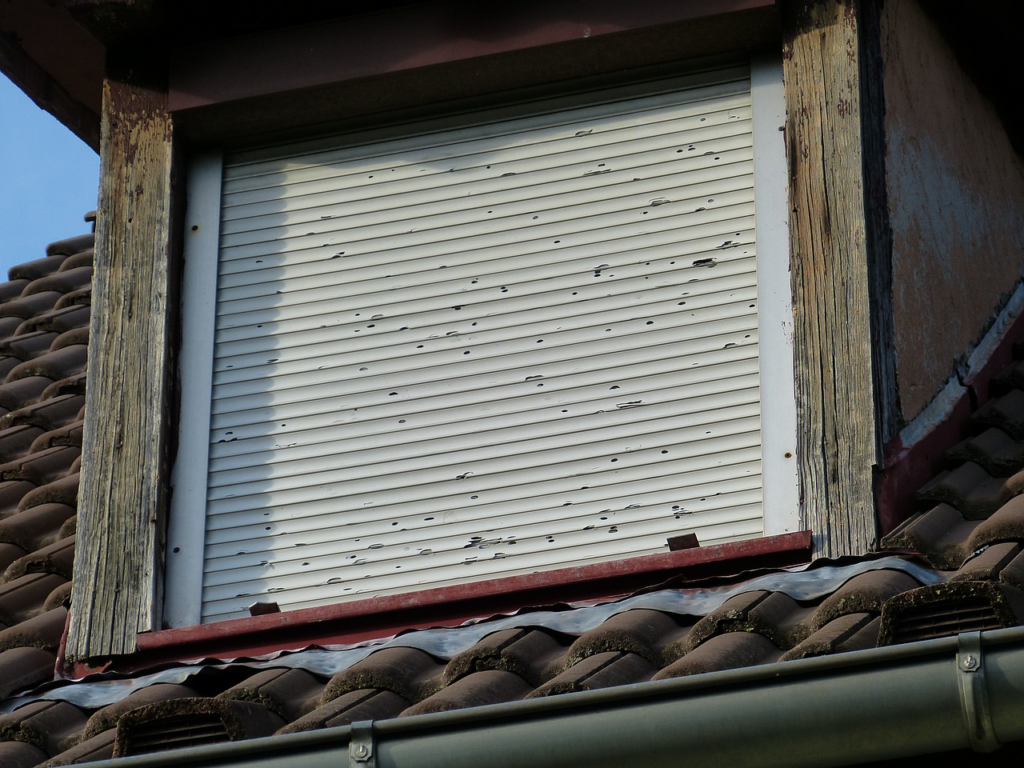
x=512 y=346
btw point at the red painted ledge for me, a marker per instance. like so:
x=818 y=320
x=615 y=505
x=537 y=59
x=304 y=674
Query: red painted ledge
x=360 y=620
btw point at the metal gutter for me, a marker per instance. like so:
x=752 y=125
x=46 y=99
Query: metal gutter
x=933 y=696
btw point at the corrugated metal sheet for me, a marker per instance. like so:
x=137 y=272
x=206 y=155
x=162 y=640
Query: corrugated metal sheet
x=485 y=351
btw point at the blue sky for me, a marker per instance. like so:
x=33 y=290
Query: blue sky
x=48 y=179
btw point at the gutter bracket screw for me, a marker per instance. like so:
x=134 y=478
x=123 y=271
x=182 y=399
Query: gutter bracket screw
x=969 y=662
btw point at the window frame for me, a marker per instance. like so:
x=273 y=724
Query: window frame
x=780 y=495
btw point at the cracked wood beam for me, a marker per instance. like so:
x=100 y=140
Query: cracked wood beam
x=124 y=454
x=831 y=274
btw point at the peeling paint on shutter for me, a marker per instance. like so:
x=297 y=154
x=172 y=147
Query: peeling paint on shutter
x=485 y=351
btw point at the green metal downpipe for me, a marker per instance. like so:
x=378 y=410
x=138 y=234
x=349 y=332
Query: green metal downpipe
x=933 y=696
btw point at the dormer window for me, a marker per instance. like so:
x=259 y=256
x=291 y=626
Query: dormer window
x=523 y=339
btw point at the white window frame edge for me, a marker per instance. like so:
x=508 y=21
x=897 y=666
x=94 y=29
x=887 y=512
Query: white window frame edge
x=185 y=535
x=779 y=466
x=780 y=489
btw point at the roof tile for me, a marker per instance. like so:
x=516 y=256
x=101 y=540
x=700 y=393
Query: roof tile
x=63 y=281
x=54 y=365
x=105 y=719
x=33 y=270
x=35 y=527
x=42 y=631
x=21 y=668
x=22 y=598
x=849 y=632
x=530 y=653
x=235 y=719
x=601 y=670
x=62 y=491
x=43 y=724
x=729 y=651
x=1005 y=412
x=12 y=289
x=17 y=754
x=643 y=632
x=57 y=558
x=404 y=671
x=354 y=706
x=866 y=592
x=478 y=689
x=27 y=307
x=284 y=692
x=99 y=747
x=18 y=394
x=60 y=319
x=994 y=450
x=70 y=245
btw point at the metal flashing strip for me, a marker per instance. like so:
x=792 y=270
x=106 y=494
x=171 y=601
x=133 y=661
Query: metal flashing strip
x=803 y=583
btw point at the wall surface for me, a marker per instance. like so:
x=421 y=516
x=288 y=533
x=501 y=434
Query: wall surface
x=956 y=198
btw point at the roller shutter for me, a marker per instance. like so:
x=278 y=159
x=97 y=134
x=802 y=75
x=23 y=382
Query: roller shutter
x=486 y=350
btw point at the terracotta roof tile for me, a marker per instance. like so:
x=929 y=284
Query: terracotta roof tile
x=12 y=493
x=82 y=297
x=140 y=730
x=63 y=491
x=407 y=672
x=354 y=706
x=99 y=747
x=70 y=246
x=530 y=653
x=866 y=592
x=43 y=724
x=36 y=527
x=9 y=553
x=63 y=281
x=989 y=563
x=26 y=346
x=69 y=434
x=59 y=320
x=33 y=270
x=849 y=632
x=57 y=558
x=54 y=365
x=12 y=289
x=24 y=597
x=78 y=260
x=285 y=692
x=20 y=393
x=105 y=719
x=22 y=668
x=601 y=670
x=642 y=632
x=17 y=754
x=1005 y=412
x=478 y=689
x=27 y=307
x=42 y=631
x=729 y=651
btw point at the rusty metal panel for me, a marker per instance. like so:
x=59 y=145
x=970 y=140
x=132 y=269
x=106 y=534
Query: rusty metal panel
x=485 y=350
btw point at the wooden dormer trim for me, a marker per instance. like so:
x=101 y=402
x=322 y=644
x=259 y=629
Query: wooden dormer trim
x=124 y=451
x=832 y=273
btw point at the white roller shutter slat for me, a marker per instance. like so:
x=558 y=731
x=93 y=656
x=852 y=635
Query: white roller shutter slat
x=484 y=351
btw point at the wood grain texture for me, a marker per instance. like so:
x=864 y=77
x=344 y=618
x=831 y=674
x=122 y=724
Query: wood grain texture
x=122 y=496
x=836 y=417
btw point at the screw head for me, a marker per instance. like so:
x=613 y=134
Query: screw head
x=360 y=750
x=969 y=662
